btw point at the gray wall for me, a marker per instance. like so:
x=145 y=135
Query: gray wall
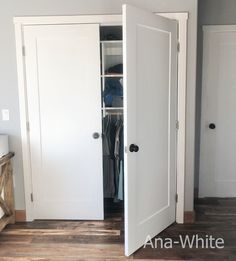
x=210 y=12
x=217 y=12
x=8 y=77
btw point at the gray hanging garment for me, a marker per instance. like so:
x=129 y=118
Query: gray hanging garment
x=117 y=156
x=121 y=182
x=108 y=162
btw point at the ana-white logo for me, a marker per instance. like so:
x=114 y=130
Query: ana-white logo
x=185 y=242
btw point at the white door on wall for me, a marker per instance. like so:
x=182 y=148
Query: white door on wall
x=217 y=176
x=150 y=114
x=64 y=107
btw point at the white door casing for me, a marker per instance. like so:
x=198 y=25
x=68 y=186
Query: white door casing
x=23 y=22
x=64 y=110
x=217 y=175
x=150 y=114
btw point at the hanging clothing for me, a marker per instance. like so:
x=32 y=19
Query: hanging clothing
x=119 y=153
x=108 y=162
x=119 y=126
x=108 y=177
x=112 y=154
x=120 y=195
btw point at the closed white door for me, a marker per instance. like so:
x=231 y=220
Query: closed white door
x=150 y=114
x=217 y=177
x=64 y=107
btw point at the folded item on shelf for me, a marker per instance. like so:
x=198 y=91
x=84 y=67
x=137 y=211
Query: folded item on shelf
x=113 y=88
x=118 y=68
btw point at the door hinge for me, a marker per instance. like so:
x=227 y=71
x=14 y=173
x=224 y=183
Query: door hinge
x=177 y=125
x=176 y=198
x=23 y=50
x=28 y=126
x=178 y=47
x=31 y=197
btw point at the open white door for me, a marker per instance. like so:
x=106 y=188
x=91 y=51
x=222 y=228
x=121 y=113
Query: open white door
x=150 y=114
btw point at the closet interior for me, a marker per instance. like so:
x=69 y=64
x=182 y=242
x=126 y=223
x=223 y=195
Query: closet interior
x=111 y=47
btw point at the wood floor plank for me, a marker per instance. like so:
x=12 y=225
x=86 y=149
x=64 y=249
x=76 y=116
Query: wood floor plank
x=107 y=224
x=55 y=232
x=63 y=250
x=103 y=240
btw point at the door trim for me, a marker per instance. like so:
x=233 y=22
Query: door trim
x=21 y=22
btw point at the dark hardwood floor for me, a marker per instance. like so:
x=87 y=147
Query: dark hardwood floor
x=103 y=240
x=216 y=217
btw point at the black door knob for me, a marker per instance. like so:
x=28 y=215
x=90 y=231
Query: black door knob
x=133 y=148
x=96 y=135
x=212 y=126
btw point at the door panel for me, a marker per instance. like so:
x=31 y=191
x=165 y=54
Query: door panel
x=150 y=114
x=217 y=177
x=64 y=104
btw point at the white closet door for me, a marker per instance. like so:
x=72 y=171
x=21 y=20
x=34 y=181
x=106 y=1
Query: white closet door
x=217 y=175
x=64 y=105
x=150 y=110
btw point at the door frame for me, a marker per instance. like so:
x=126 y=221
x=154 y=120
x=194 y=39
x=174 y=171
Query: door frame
x=21 y=22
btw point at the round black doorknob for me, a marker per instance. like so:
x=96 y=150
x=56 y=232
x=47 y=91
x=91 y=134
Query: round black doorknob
x=133 y=148
x=212 y=126
x=96 y=135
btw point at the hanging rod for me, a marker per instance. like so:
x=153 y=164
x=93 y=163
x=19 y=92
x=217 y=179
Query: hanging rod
x=114 y=113
x=112 y=108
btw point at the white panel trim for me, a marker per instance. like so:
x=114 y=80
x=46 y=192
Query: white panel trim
x=77 y=19
x=20 y=22
x=23 y=122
